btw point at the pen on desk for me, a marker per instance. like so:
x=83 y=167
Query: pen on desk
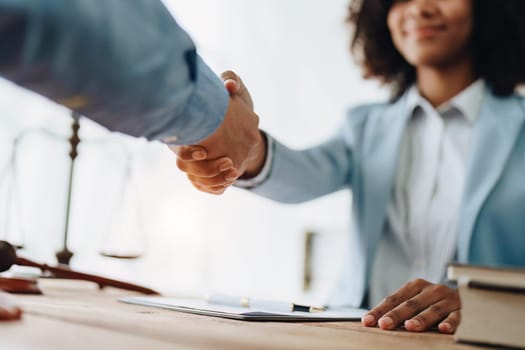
x=278 y=306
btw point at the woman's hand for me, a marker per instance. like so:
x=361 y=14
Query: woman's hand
x=418 y=305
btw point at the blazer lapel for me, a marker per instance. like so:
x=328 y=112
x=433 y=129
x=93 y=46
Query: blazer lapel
x=380 y=158
x=498 y=126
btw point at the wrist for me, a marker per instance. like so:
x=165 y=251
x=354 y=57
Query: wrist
x=256 y=164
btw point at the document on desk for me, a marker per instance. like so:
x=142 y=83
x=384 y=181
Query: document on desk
x=201 y=307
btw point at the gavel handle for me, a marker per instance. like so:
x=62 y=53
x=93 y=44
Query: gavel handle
x=74 y=275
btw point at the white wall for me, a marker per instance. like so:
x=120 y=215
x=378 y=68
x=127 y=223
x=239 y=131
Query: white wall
x=293 y=57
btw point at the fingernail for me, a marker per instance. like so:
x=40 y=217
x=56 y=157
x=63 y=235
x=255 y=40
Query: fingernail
x=413 y=324
x=227 y=165
x=231 y=81
x=198 y=155
x=230 y=177
x=368 y=320
x=445 y=327
x=386 y=322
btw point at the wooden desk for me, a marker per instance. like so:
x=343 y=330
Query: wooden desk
x=75 y=315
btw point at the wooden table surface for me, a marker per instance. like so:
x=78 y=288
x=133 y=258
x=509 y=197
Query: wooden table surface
x=76 y=315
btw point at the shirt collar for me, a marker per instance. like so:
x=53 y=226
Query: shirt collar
x=468 y=101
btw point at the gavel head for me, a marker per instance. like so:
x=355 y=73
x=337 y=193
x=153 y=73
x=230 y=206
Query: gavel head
x=7 y=256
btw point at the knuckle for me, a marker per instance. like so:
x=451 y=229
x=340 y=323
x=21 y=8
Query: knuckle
x=203 y=173
x=182 y=151
x=205 y=170
x=456 y=303
x=413 y=304
x=454 y=295
x=437 y=310
x=197 y=186
x=207 y=189
x=440 y=289
x=411 y=284
x=181 y=164
x=217 y=190
x=419 y=282
x=222 y=162
x=230 y=176
x=392 y=299
x=184 y=155
x=199 y=181
x=206 y=182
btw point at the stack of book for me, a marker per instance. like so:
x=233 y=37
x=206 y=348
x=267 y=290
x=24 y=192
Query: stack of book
x=492 y=305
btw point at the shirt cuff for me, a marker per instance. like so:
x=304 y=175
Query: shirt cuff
x=265 y=171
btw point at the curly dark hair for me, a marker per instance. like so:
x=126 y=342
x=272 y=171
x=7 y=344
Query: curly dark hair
x=498 y=41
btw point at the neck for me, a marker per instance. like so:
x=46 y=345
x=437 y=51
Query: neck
x=440 y=84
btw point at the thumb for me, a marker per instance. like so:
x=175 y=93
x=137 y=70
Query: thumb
x=232 y=86
x=235 y=86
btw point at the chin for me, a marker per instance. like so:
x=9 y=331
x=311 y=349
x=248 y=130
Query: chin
x=427 y=58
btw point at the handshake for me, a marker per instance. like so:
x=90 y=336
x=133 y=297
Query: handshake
x=237 y=149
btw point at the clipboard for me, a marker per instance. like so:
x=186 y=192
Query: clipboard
x=201 y=307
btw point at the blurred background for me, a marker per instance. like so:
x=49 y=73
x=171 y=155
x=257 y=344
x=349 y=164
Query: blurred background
x=128 y=197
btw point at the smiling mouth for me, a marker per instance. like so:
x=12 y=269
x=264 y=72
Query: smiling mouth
x=425 y=32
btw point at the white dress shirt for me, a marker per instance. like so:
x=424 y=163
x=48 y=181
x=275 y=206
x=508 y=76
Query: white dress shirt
x=421 y=231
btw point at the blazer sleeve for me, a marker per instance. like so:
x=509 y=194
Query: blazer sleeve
x=125 y=64
x=301 y=175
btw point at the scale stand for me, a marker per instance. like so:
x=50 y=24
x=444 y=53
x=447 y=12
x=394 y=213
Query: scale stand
x=64 y=256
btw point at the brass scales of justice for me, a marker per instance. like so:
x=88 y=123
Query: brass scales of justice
x=8 y=255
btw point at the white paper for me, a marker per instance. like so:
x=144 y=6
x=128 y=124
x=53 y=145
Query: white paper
x=201 y=307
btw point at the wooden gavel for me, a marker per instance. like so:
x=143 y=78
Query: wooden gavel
x=9 y=258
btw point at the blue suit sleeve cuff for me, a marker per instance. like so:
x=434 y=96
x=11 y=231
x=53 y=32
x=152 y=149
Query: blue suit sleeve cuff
x=204 y=111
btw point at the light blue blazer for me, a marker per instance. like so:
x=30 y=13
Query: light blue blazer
x=363 y=157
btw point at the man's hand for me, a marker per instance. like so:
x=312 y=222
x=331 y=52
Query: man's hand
x=8 y=311
x=418 y=305
x=236 y=149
